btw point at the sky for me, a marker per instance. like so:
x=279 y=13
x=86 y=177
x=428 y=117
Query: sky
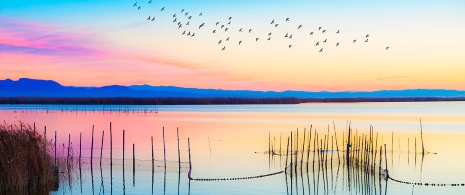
x=108 y=42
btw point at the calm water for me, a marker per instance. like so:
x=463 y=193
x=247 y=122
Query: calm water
x=231 y=140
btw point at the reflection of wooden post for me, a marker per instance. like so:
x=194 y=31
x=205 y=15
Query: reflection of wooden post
x=179 y=152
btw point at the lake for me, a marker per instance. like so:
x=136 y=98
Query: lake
x=231 y=141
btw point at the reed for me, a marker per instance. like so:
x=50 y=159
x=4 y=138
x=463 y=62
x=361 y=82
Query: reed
x=25 y=162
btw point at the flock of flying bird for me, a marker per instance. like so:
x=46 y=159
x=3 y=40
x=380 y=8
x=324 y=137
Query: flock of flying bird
x=184 y=18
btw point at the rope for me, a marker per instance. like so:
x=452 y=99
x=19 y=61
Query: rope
x=425 y=184
x=231 y=178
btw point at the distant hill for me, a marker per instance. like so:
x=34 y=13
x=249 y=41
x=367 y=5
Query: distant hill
x=26 y=87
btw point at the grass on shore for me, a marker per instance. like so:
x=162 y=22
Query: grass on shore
x=25 y=163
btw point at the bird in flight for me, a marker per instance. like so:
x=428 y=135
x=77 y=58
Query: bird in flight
x=180 y=26
x=153 y=19
x=319 y=28
x=300 y=26
x=193 y=34
x=222 y=26
x=174 y=20
x=276 y=25
x=311 y=33
x=217 y=23
x=174 y=16
x=321 y=50
x=355 y=40
x=139 y=8
x=189 y=34
x=337 y=44
x=230 y=18
x=240 y=42
x=187 y=13
x=337 y=32
x=224 y=48
x=325 y=40
x=227 y=39
x=290 y=46
x=269 y=38
x=190 y=17
x=163 y=8
x=367 y=36
x=200 y=14
x=150 y=1
x=229 y=22
x=287 y=19
x=148 y=18
x=203 y=24
x=240 y=30
x=187 y=23
x=256 y=39
x=135 y=4
x=287 y=35
x=226 y=29
x=387 y=48
x=250 y=30
x=290 y=37
x=182 y=10
x=272 y=22
x=317 y=43
x=183 y=33
x=323 y=31
x=269 y=34
x=219 y=42
x=214 y=31
x=366 y=41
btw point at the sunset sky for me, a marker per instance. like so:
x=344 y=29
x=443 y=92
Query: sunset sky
x=106 y=42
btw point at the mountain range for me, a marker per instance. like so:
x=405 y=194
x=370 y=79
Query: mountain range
x=26 y=87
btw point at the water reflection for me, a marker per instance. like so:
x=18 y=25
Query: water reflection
x=244 y=133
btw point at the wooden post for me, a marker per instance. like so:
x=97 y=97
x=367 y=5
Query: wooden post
x=111 y=145
x=189 y=148
x=55 y=148
x=69 y=143
x=101 y=148
x=123 y=146
x=92 y=146
x=422 y=145
x=287 y=155
x=269 y=145
x=179 y=151
x=164 y=146
x=80 y=145
x=153 y=157
x=45 y=136
x=133 y=158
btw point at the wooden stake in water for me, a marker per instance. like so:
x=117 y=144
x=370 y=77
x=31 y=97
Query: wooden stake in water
x=80 y=145
x=164 y=146
x=55 y=148
x=92 y=146
x=123 y=146
x=101 y=148
x=69 y=143
x=45 y=136
x=287 y=154
x=179 y=151
x=422 y=145
x=133 y=158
